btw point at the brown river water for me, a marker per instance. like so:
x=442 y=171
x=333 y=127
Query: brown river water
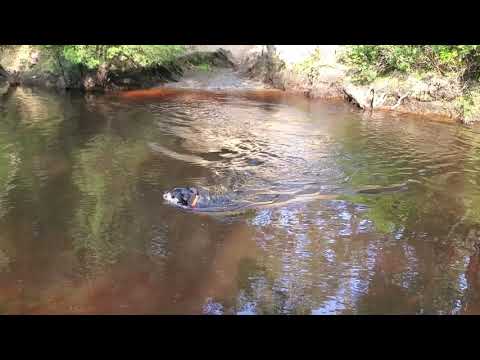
x=84 y=228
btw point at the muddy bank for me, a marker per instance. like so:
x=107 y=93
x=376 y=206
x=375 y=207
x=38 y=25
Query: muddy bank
x=319 y=74
x=26 y=66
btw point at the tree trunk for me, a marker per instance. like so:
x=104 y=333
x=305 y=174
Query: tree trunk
x=102 y=74
x=12 y=78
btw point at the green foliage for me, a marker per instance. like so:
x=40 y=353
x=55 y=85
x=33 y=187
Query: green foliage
x=107 y=194
x=204 y=67
x=371 y=61
x=92 y=56
x=469 y=104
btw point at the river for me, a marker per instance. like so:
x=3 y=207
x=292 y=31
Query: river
x=84 y=228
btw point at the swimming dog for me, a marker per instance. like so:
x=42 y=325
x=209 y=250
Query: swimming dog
x=193 y=198
x=186 y=197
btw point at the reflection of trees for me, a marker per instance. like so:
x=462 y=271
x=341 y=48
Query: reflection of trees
x=405 y=252
x=28 y=154
x=430 y=222
x=471 y=301
x=310 y=267
x=105 y=174
x=9 y=164
x=391 y=253
x=303 y=263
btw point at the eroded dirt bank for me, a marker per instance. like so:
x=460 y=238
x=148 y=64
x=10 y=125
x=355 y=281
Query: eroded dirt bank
x=28 y=66
x=315 y=70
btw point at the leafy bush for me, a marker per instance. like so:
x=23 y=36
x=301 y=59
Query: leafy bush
x=92 y=56
x=469 y=104
x=371 y=61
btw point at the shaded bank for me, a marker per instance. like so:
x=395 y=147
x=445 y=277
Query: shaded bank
x=44 y=66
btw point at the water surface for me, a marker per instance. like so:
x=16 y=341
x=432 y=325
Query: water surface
x=84 y=228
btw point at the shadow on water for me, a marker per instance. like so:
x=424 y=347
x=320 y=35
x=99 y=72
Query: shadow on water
x=84 y=229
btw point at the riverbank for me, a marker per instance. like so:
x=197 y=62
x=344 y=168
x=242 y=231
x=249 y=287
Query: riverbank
x=318 y=72
x=27 y=65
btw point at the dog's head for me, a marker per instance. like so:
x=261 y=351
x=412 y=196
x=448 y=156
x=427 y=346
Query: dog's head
x=186 y=197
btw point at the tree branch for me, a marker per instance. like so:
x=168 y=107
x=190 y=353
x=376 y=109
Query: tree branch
x=400 y=101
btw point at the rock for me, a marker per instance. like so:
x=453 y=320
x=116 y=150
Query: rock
x=60 y=84
x=361 y=96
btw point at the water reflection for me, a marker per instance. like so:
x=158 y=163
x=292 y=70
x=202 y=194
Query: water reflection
x=104 y=223
x=83 y=228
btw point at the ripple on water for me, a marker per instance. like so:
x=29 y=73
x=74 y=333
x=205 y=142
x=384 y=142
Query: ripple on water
x=83 y=177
